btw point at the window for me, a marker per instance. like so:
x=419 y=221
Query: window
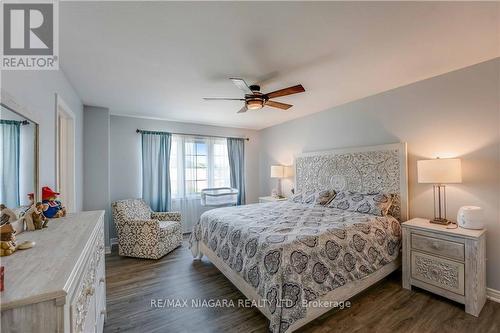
x=197 y=163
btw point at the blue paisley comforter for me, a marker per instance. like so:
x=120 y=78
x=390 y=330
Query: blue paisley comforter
x=293 y=253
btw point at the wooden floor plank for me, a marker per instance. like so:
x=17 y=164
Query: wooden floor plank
x=385 y=307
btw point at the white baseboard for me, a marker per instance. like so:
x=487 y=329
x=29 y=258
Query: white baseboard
x=493 y=295
x=112 y=241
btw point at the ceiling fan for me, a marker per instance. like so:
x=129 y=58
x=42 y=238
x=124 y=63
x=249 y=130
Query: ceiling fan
x=255 y=100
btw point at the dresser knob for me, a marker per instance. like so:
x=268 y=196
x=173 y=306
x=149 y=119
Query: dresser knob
x=435 y=246
x=101 y=280
x=103 y=312
x=89 y=291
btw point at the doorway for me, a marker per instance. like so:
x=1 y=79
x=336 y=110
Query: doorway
x=65 y=154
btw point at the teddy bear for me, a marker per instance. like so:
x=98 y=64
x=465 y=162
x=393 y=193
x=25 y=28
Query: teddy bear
x=6 y=215
x=39 y=220
x=7 y=240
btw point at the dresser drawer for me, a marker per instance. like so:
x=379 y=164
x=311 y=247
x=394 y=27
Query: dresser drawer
x=100 y=297
x=441 y=247
x=442 y=273
x=83 y=307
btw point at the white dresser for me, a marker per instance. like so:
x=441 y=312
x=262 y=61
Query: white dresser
x=448 y=262
x=59 y=285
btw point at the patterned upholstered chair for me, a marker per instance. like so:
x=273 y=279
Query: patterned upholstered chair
x=143 y=233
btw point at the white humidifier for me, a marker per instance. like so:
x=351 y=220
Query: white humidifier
x=470 y=217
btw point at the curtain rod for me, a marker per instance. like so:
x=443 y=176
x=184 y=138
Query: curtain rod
x=21 y=122
x=209 y=136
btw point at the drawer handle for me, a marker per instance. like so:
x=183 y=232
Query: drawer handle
x=89 y=291
x=435 y=246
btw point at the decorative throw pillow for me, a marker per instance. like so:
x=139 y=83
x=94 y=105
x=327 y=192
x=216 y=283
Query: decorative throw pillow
x=302 y=197
x=367 y=203
x=296 y=197
x=321 y=197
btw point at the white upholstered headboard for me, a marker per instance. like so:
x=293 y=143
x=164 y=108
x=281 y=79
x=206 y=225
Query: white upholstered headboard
x=381 y=168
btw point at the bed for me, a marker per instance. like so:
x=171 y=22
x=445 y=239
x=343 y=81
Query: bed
x=296 y=261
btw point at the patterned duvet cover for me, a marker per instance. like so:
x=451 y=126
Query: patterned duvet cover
x=294 y=253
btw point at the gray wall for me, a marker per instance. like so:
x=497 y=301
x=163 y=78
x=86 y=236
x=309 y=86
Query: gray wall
x=96 y=153
x=126 y=154
x=35 y=90
x=456 y=114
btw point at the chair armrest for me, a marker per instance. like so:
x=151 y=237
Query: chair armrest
x=166 y=216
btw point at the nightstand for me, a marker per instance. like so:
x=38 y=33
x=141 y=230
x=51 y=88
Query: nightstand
x=270 y=199
x=447 y=262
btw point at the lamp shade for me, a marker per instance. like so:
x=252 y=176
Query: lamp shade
x=440 y=171
x=277 y=171
x=288 y=172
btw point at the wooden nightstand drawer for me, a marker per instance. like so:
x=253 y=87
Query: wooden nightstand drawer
x=441 y=247
x=442 y=273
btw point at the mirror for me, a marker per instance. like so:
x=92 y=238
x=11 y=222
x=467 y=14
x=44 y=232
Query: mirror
x=18 y=159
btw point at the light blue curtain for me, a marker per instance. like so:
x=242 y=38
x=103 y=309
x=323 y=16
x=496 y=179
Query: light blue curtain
x=156 y=148
x=9 y=165
x=236 y=154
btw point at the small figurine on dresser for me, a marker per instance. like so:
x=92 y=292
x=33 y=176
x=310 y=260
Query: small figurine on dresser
x=52 y=208
x=39 y=220
x=7 y=240
x=31 y=198
x=6 y=215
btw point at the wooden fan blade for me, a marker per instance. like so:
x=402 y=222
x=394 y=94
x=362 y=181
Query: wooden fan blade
x=287 y=91
x=222 y=99
x=243 y=109
x=278 y=105
x=240 y=83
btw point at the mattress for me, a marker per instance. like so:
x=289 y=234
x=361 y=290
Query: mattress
x=292 y=253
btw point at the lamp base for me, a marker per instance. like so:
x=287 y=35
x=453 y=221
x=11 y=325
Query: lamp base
x=440 y=221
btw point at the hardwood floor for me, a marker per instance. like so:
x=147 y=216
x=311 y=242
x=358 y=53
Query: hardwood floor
x=132 y=284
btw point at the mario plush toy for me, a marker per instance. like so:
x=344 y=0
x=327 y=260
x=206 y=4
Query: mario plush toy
x=52 y=208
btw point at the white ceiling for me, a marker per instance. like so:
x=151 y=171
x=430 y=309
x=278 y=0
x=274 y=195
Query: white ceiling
x=160 y=59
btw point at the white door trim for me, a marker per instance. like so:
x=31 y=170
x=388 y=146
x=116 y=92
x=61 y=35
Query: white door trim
x=64 y=111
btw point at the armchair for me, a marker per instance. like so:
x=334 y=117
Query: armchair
x=143 y=233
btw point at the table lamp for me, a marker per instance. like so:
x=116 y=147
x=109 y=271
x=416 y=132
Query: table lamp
x=277 y=171
x=439 y=171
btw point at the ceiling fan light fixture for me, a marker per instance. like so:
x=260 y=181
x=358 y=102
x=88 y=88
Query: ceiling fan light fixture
x=255 y=99
x=255 y=104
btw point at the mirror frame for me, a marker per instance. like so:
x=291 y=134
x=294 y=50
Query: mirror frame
x=8 y=102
